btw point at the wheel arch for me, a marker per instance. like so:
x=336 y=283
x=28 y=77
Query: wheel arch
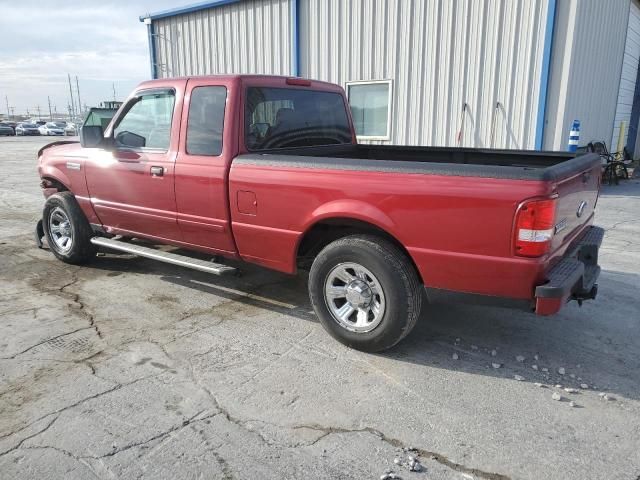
x=329 y=228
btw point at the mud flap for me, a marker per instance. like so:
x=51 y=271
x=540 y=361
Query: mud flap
x=39 y=234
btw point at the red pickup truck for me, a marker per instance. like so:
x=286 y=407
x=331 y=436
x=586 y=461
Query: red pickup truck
x=267 y=170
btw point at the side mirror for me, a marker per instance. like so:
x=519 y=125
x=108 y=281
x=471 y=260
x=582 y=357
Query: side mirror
x=91 y=136
x=129 y=139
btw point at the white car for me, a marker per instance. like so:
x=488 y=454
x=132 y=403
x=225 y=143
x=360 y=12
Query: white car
x=52 y=128
x=70 y=129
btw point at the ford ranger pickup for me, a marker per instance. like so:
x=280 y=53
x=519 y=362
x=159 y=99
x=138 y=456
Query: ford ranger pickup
x=267 y=170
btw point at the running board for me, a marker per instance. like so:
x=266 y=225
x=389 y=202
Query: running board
x=167 y=257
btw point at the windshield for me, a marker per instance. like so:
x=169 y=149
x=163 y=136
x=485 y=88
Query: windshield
x=288 y=117
x=28 y=125
x=51 y=125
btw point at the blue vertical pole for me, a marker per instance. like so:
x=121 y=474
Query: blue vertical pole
x=546 y=69
x=295 y=40
x=574 y=136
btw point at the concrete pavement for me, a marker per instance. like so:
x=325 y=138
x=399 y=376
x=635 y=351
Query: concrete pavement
x=127 y=368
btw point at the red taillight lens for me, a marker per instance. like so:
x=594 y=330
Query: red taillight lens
x=535 y=222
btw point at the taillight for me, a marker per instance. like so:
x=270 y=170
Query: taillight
x=535 y=222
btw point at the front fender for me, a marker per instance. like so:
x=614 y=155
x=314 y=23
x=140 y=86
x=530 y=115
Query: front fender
x=54 y=173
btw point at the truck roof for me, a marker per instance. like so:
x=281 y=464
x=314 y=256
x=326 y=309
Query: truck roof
x=242 y=77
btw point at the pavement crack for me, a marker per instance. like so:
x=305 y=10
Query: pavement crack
x=75 y=297
x=116 y=387
x=29 y=437
x=158 y=436
x=443 y=460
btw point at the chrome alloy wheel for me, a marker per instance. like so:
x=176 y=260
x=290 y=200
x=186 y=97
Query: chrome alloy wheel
x=60 y=230
x=354 y=297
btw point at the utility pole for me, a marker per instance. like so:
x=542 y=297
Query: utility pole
x=69 y=110
x=50 y=115
x=13 y=111
x=38 y=109
x=6 y=99
x=73 y=107
x=79 y=101
x=113 y=85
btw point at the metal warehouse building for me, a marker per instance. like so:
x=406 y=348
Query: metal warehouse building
x=482 y=73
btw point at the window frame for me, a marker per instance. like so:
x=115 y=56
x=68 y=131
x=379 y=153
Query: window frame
x=135 y=98
x=224 y=121
x=389 y=82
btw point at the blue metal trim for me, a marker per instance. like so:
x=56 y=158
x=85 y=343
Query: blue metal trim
x=546 y=67
x=152 y=50
x=295 y=43
x=187 y=9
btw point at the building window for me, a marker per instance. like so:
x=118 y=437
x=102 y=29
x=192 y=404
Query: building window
x=371 y=108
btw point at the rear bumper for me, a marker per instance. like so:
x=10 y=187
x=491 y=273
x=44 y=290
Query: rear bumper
x=574 y=277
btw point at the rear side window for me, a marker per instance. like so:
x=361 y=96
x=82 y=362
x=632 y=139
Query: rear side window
x=206 y=120
x=287 y=117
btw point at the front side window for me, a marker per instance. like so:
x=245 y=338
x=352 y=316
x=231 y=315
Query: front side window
x=370 y=107
x=287 y=117
x=147 y=123
x=206 y=119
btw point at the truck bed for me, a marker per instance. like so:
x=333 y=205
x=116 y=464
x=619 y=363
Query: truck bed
x=467 y=162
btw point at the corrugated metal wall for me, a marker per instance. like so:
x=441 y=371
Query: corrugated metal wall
x=439 y=54
x=588 y=48
x=253 y=36
x=628 y=77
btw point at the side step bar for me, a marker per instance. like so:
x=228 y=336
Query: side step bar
x=167 y=257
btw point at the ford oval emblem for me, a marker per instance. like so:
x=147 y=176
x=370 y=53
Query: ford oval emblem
x=581 y=208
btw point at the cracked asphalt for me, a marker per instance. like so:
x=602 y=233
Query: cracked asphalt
x=127 y=368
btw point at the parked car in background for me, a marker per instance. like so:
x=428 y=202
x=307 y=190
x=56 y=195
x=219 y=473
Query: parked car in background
x=6 y=130
x=7 y=123
x=70 y=129
x=40 y=122
x=52 y=128
x=27 y=129
x=267 y=170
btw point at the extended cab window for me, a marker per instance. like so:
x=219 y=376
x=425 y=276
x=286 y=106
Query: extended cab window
x=147 y=123
x=206 y=119
x=287 y=117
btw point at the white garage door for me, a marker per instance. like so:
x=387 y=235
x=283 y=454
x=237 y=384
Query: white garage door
x=628 y=78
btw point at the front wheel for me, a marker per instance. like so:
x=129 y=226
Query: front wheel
x=365 y=291
x=67 y=230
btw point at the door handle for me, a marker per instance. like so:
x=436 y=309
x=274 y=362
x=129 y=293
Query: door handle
x=157 y=171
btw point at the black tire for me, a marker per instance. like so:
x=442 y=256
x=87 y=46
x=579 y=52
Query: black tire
x=395 y=274
x=80 y=249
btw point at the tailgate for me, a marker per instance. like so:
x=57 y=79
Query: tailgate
x=577 y=197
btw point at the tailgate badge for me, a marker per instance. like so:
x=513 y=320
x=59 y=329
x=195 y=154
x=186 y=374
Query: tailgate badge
x=561 y=225
x=581 y=208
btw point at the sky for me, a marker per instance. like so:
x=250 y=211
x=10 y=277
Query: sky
x=102 y=42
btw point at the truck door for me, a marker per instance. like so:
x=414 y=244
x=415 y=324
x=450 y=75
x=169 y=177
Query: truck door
x=206 y=149
x=132 y=183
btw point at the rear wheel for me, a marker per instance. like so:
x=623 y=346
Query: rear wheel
x=66 y=229
x=365 y=292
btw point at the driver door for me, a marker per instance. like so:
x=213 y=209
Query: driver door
x=132 y=184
